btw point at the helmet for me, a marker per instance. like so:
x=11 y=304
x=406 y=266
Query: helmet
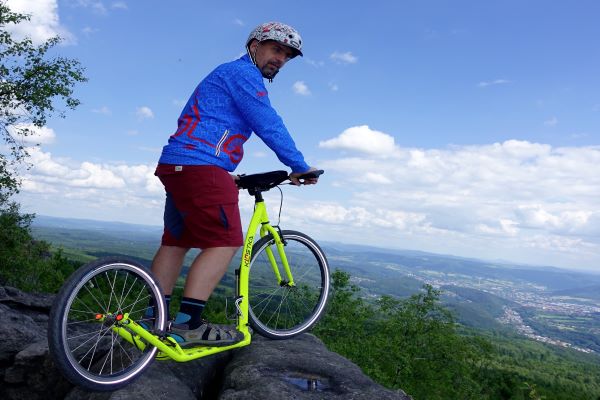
x=279 y=32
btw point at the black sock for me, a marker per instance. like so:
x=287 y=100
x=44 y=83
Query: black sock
x=190 y=312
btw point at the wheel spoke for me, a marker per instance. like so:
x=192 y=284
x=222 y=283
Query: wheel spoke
x=91 y=350
x=282 y=311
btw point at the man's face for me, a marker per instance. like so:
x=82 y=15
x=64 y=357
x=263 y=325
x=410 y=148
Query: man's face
x=270 y=57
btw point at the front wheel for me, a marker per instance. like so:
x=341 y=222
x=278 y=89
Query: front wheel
x=87 y=324
x=278 y=309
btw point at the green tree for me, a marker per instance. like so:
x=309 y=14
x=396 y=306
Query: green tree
x=27 y=263
x=30 y=83
x=342 y=328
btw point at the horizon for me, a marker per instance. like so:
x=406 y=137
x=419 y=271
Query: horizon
x=468 y=128
x=386 y=250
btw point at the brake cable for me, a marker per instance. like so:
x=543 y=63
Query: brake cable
x=279 y=216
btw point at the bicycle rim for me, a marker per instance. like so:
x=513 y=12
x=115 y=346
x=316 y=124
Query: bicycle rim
x=99 y=357
x=280 y=311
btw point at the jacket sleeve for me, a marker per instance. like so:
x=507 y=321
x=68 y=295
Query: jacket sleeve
x=251 y=99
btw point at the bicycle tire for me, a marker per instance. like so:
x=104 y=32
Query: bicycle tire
x=278 y=311
x=87 y=350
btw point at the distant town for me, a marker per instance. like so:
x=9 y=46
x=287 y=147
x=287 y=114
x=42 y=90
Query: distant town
x=566 y=309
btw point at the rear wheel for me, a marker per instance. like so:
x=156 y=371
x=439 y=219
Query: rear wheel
x=86 y=316
x=280 y=310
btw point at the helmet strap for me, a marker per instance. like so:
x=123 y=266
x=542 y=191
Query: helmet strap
x=253 y=56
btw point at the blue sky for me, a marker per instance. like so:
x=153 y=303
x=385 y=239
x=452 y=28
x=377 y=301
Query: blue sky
x=462 y=127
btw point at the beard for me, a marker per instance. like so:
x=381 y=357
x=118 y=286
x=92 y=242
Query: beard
x=269 y=71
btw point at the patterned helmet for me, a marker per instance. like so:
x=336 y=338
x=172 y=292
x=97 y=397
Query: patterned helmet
x=279 y=32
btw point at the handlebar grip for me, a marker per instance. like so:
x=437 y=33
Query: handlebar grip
x=312 y=174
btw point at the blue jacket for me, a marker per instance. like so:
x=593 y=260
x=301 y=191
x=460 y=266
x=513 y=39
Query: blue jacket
x=224 y=110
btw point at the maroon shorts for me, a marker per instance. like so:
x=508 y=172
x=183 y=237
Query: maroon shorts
x=201 y=209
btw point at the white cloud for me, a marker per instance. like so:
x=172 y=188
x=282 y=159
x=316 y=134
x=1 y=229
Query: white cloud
x=97 y=6
x=239 y=22
x=551 y=121
x=110 y=191
x=119 y=5
x=43 y=24
x=362 y=139
x=493 y=83
x=314 y=63
x=43 y=135
x=334 y=87
x=344 y=58
x=259 y=154
x=62 y=175
x=102 y=110
x=514 y=197
x=88 y=30
x=179 y=103
x=529 y=202
x=144 y=112
x=301 y=88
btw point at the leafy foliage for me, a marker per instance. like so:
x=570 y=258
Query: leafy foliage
x=415 y=345
x=30 y=82
x=26 y=263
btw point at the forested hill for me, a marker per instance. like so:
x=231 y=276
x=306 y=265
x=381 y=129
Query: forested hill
x=523 y=331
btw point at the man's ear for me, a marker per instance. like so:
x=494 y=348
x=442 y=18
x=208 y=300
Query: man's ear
x=252 y=45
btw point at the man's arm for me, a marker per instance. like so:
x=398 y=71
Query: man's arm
x=251 y=99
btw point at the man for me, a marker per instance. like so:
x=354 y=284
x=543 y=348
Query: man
x=201 y=208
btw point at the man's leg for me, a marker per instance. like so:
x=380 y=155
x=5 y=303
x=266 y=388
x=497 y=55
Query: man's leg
x=205 y=274
x=166 y=266
x=206 y=271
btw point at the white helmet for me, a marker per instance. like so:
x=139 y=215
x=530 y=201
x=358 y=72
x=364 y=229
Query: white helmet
x=279 y=32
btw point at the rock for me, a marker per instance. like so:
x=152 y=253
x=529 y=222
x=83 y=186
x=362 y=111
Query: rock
x=23 y=320
x=202 y=376
x=298 y=368
x=167 y=380
x=17 y=331
x=33 y=301
x=34 y=376
x=156 y=383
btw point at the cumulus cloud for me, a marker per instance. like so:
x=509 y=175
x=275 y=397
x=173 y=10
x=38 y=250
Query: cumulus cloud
x=519 y=200
x=97 y=190
x=144 y=112
x=36 y=135
x=524 y=195
x=362 y=139
x=344 y=58
x=43 y=24
x=63 y=175
x=301 y=88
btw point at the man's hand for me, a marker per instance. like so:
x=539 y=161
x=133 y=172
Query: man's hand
x=310 y=181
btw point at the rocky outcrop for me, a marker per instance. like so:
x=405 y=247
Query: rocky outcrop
x=299 y=368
